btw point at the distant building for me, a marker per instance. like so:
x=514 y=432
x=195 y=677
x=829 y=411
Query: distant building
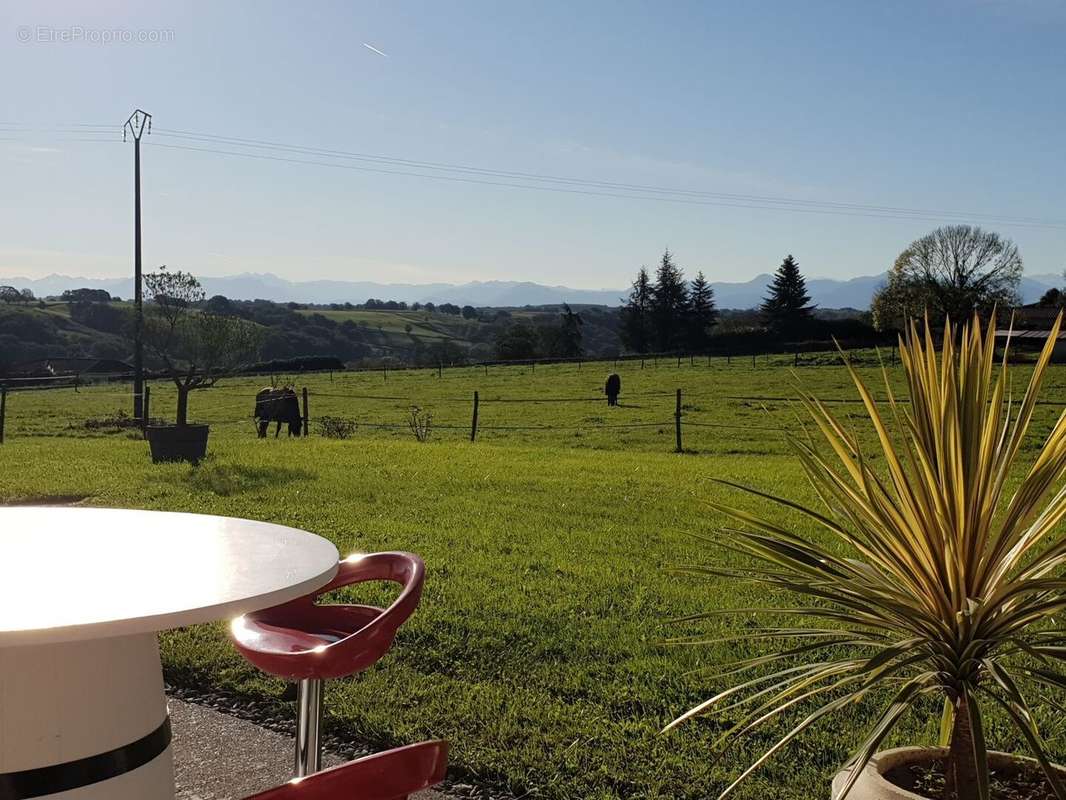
x=1032 y=341
x=87 y=368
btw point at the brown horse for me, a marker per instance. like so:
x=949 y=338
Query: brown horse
x=277 y=405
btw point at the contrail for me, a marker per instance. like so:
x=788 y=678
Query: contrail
x=371 y=47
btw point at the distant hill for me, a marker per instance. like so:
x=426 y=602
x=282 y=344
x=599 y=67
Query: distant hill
x=826 y=292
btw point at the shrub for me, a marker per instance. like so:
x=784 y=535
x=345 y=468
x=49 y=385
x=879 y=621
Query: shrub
x=420 y=423
x=337 y=427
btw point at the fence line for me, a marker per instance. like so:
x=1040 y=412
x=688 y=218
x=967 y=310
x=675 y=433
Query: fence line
x=733 y=426
x=680 y=417
x=385 y=397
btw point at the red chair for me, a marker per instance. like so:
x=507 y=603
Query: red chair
x=310 y=643
x=392 y=775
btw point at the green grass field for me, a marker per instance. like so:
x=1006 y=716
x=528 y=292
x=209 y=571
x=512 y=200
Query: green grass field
x=536 y=649
x=423 y=324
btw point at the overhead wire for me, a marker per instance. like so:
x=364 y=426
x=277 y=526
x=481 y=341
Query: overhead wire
x=515 y=179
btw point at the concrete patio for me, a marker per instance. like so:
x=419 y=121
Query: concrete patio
x=223 y=757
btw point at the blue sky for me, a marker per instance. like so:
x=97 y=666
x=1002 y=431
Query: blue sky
x=951 y=105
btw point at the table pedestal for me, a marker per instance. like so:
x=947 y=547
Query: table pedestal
x=85 y=721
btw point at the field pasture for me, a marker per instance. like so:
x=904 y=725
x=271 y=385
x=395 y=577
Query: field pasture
x=537 y=648
x=423 y=324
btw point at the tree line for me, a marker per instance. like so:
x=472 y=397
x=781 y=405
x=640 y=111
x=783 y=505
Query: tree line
x=669 y=314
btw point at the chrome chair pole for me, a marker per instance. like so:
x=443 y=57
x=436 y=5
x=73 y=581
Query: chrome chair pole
x=308 y=727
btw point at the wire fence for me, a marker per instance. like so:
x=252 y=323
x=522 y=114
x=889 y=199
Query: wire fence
x=648 y=415
x=94 y=410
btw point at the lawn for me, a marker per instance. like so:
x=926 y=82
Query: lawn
x=536 y=649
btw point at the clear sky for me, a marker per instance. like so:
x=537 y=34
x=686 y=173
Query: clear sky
x=950 y=105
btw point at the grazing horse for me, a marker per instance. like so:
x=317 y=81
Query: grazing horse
x=612 y=388
x=277 y=405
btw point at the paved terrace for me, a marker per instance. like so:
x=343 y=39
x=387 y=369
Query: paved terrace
x=222 y=757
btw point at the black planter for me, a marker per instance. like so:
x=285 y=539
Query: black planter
x=177 y=442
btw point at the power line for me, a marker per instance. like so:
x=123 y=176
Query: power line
x=557 y=189
x=465 y=173
x=265 y=144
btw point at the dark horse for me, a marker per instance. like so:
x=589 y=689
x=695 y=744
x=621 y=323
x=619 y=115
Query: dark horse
x=277 y=405
x=612 y=388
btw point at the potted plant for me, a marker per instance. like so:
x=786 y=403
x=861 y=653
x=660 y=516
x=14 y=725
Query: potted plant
x=942 y=580
x=196 y=347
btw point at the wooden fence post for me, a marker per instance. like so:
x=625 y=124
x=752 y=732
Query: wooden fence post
x=642 y=363
x=473 y=422
x=753 y=361
x=385 y=371
x=677 y=422
x=3 y=410
x=440 y=369
x=146 y=410
x=679 y=361
x=307 y=416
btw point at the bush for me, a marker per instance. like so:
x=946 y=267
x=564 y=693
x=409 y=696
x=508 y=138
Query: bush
x=337 y=427
x=420 y=423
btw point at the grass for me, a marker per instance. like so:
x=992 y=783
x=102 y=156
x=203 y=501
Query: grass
x=424 y=325
x=536 y=648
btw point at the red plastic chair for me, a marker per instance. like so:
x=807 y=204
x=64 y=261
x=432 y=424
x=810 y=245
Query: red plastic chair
x=392 y=775
x=310 y=643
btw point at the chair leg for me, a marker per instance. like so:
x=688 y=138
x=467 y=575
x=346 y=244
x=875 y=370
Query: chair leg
x=308 y=727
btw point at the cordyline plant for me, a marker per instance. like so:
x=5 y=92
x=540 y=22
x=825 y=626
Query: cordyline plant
x=950 y=581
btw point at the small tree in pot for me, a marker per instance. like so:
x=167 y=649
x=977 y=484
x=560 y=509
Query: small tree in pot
x=196 y=347
x=945 y=582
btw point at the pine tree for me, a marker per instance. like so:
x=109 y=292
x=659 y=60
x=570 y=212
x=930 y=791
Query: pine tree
x=636 y=316
x=785 y=310
x=570 y=333
x=669 y=305
x=702 y=316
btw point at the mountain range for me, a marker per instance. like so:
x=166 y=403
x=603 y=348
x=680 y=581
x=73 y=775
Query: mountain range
x=825 y=292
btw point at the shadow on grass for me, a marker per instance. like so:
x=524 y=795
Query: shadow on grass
x=230 y=479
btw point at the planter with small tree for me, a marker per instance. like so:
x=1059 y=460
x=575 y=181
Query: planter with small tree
x=196 y=347
x=943 y=580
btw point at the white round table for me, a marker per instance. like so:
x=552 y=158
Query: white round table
x=83 y=592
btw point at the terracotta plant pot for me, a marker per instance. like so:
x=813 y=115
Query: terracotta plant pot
x=177 y=442
x=872 y=785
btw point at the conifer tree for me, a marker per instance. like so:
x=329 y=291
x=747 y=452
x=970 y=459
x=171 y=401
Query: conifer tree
x=569 y=344
x=785 y=310
x=702 y=316
x=669 y=305
x=636 y=315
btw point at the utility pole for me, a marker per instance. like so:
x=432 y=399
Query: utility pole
x=138 y=123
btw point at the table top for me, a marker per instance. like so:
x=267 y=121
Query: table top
x=69 y=574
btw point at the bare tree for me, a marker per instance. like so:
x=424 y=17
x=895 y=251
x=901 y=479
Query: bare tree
x=196 y=346
x=952 y=272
